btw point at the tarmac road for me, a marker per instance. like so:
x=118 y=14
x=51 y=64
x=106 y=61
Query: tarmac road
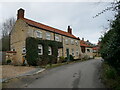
x=78 y=75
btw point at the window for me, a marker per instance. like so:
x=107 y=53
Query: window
x=66 y=41
x=57 y=38
x=48 y=36
x=40 y=49
x=13 y=49
x=77 y=53
x=58 y=53
x=24 y=50
x=72 y=41
x=83 y=49
x=72 y=52
x=39 y=34
x=49 y=50
x=76 y=42
x=88 y=50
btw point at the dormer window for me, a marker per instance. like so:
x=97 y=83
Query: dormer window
x=48 y=36
x=38 y=34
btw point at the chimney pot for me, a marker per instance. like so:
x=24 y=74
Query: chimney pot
x=20 y=13
x=69 y=30
x=83 y=39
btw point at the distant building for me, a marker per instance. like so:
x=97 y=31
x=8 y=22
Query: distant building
x=86 y=48
x=96 y=50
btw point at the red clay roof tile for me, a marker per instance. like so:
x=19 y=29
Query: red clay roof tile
x=40 y=25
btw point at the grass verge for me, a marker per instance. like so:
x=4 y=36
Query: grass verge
x=109 y=77
x=60 y=64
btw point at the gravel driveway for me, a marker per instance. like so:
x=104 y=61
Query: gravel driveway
x=9 y=71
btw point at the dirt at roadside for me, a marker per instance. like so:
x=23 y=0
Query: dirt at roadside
x=9 y=71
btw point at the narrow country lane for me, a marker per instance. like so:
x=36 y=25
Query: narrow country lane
x=78 y=75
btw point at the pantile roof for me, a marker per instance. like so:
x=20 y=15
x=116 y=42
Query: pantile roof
x=40 y=25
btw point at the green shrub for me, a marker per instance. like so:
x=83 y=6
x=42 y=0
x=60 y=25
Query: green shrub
x=61 y=59
x=71 y=58
x=9 y=61
x=111 y=73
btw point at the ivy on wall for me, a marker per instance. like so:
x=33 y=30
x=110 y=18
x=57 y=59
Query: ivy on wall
x=32 y=51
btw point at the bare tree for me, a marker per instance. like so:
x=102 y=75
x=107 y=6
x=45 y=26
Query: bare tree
x=7 y=26
x=114 y=6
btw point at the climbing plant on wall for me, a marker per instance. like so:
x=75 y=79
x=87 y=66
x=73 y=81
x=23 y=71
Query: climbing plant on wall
x=32 y=51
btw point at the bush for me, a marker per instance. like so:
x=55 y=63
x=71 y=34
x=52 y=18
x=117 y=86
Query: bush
x=9 y=61
x=85 y=57
x=71 y=58
x=110 y=73
x=61 y=59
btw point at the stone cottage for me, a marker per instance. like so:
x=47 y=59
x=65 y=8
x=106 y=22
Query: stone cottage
x=24 y=28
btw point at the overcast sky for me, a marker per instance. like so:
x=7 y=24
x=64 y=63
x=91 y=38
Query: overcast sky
x=79 y=15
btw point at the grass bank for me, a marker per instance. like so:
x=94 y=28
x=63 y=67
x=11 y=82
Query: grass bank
x=110 y=77
x=60 y=64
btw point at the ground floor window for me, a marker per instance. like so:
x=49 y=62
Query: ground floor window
x=49 y=50
x=72 y=52
x=40 y=49
x=24 y=50
x=77 y=53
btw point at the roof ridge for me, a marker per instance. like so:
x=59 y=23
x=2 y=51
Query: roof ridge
x=38 y=24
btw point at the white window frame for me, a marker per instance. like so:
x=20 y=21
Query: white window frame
x=77 y=52
x=49 y=50
x=23 y=50
x=72 y=52
x=58 y=53
x=66 y=41
x=38 y=34
x=40 y=47
x=72 y=41
x=13 y=49
x=48 y=35
x=57 y=38
x=76 y=42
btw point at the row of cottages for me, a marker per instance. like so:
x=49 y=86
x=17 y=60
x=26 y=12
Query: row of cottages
x=86 y=48
x=24 y=28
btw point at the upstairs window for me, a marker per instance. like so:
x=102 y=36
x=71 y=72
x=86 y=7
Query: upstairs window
x=76 y=42
x=48 y=36
x=49 y=50
x=66 y=41
x=40 y=49
x=57 y=38
x=72 y=41
x=39 y=34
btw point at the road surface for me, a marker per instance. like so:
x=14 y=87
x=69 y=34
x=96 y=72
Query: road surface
x=78 y=75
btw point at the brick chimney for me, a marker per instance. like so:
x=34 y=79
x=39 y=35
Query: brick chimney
x=69 y=30
x=20 y=13
x=83 y=39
